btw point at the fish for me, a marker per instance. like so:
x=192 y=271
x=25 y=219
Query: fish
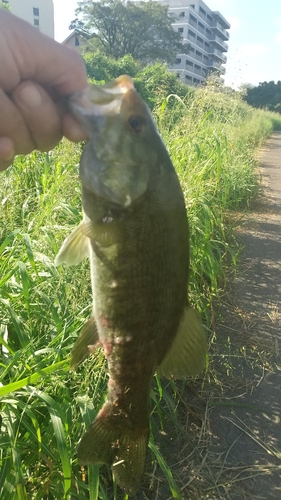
x=135 y=233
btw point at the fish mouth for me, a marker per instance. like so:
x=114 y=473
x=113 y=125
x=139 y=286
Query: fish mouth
x=112 y=165
x=98 y=101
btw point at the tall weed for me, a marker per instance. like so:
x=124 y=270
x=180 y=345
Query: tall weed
x=44 y=408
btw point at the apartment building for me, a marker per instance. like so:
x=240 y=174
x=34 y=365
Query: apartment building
x=206 y=33
x=39 y=13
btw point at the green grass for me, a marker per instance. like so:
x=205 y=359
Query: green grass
x=44 y=408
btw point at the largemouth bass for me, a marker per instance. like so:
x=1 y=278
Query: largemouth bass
x=135 y=232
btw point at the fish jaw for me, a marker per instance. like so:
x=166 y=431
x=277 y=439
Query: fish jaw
x=117 y=160
x=85 y=103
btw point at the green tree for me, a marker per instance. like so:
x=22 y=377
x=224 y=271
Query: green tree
x=5 y=5
x=155 y=83
x=266 y=95
x=118 y=28
x=103 y=68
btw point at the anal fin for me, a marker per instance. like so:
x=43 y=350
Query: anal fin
x=187 y=355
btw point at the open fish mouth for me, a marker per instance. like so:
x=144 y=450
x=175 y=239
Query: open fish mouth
x=99 y=100
x=114 y=164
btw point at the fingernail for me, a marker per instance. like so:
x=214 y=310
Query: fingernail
x=30 y=95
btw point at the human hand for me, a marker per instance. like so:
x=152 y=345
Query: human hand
x=36 y=75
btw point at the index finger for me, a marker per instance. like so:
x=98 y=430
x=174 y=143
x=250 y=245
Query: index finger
x=30 y=55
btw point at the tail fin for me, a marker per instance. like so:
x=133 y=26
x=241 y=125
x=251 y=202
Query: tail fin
x=112 y=438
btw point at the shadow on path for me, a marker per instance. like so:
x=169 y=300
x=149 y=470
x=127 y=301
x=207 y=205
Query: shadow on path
x=246 y=427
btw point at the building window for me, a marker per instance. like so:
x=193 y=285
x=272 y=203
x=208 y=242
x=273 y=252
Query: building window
x=76 y=42
x=36 y=22
x=35 y=11
x=178 y=60
x=188 y=78
x=180 y=30
x=199 y=42
x=182 y=14
x=178 y=75
x=207 y=45
x=202 y=11
x=189 y=63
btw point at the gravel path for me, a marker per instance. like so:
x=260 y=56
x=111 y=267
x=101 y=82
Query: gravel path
x=247 y=433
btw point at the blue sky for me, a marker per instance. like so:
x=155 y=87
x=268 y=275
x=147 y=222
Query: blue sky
x=254 y=53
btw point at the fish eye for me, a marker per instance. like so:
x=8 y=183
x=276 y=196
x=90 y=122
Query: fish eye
x=136 y=124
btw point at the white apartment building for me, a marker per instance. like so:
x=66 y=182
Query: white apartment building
x=206 y=33
x=39 y=13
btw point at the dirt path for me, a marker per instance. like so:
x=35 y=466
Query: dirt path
x=246 y=425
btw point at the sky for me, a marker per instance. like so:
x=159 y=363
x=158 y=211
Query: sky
x=254 y=53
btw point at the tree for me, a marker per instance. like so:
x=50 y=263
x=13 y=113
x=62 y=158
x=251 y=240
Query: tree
x=266 y=95
x=5 y=5
x=118 y=28
x=104 y=68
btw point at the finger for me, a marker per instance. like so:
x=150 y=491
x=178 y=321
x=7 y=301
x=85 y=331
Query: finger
x=40 y=114
x=72 y=130
x=13 y=126
x=7 y=152
x=34 y=56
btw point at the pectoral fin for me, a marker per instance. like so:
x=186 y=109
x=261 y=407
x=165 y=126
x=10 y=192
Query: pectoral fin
x=187 y=355
x=85 y=344
x=74 y=248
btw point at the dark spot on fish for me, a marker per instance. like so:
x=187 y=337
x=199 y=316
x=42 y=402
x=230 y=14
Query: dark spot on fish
x=136 y=124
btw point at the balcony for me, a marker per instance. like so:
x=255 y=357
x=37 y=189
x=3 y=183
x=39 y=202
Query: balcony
x=198 y=71
x=192 y=38
x=193 y=23
x=217 y=26
x=218 y=53
x=201 y=29
x=215 y=65
x=179 y=63
x=217 y=16
x=217 y=40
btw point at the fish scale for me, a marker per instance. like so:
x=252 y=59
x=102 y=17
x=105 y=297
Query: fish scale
x=135 y=233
